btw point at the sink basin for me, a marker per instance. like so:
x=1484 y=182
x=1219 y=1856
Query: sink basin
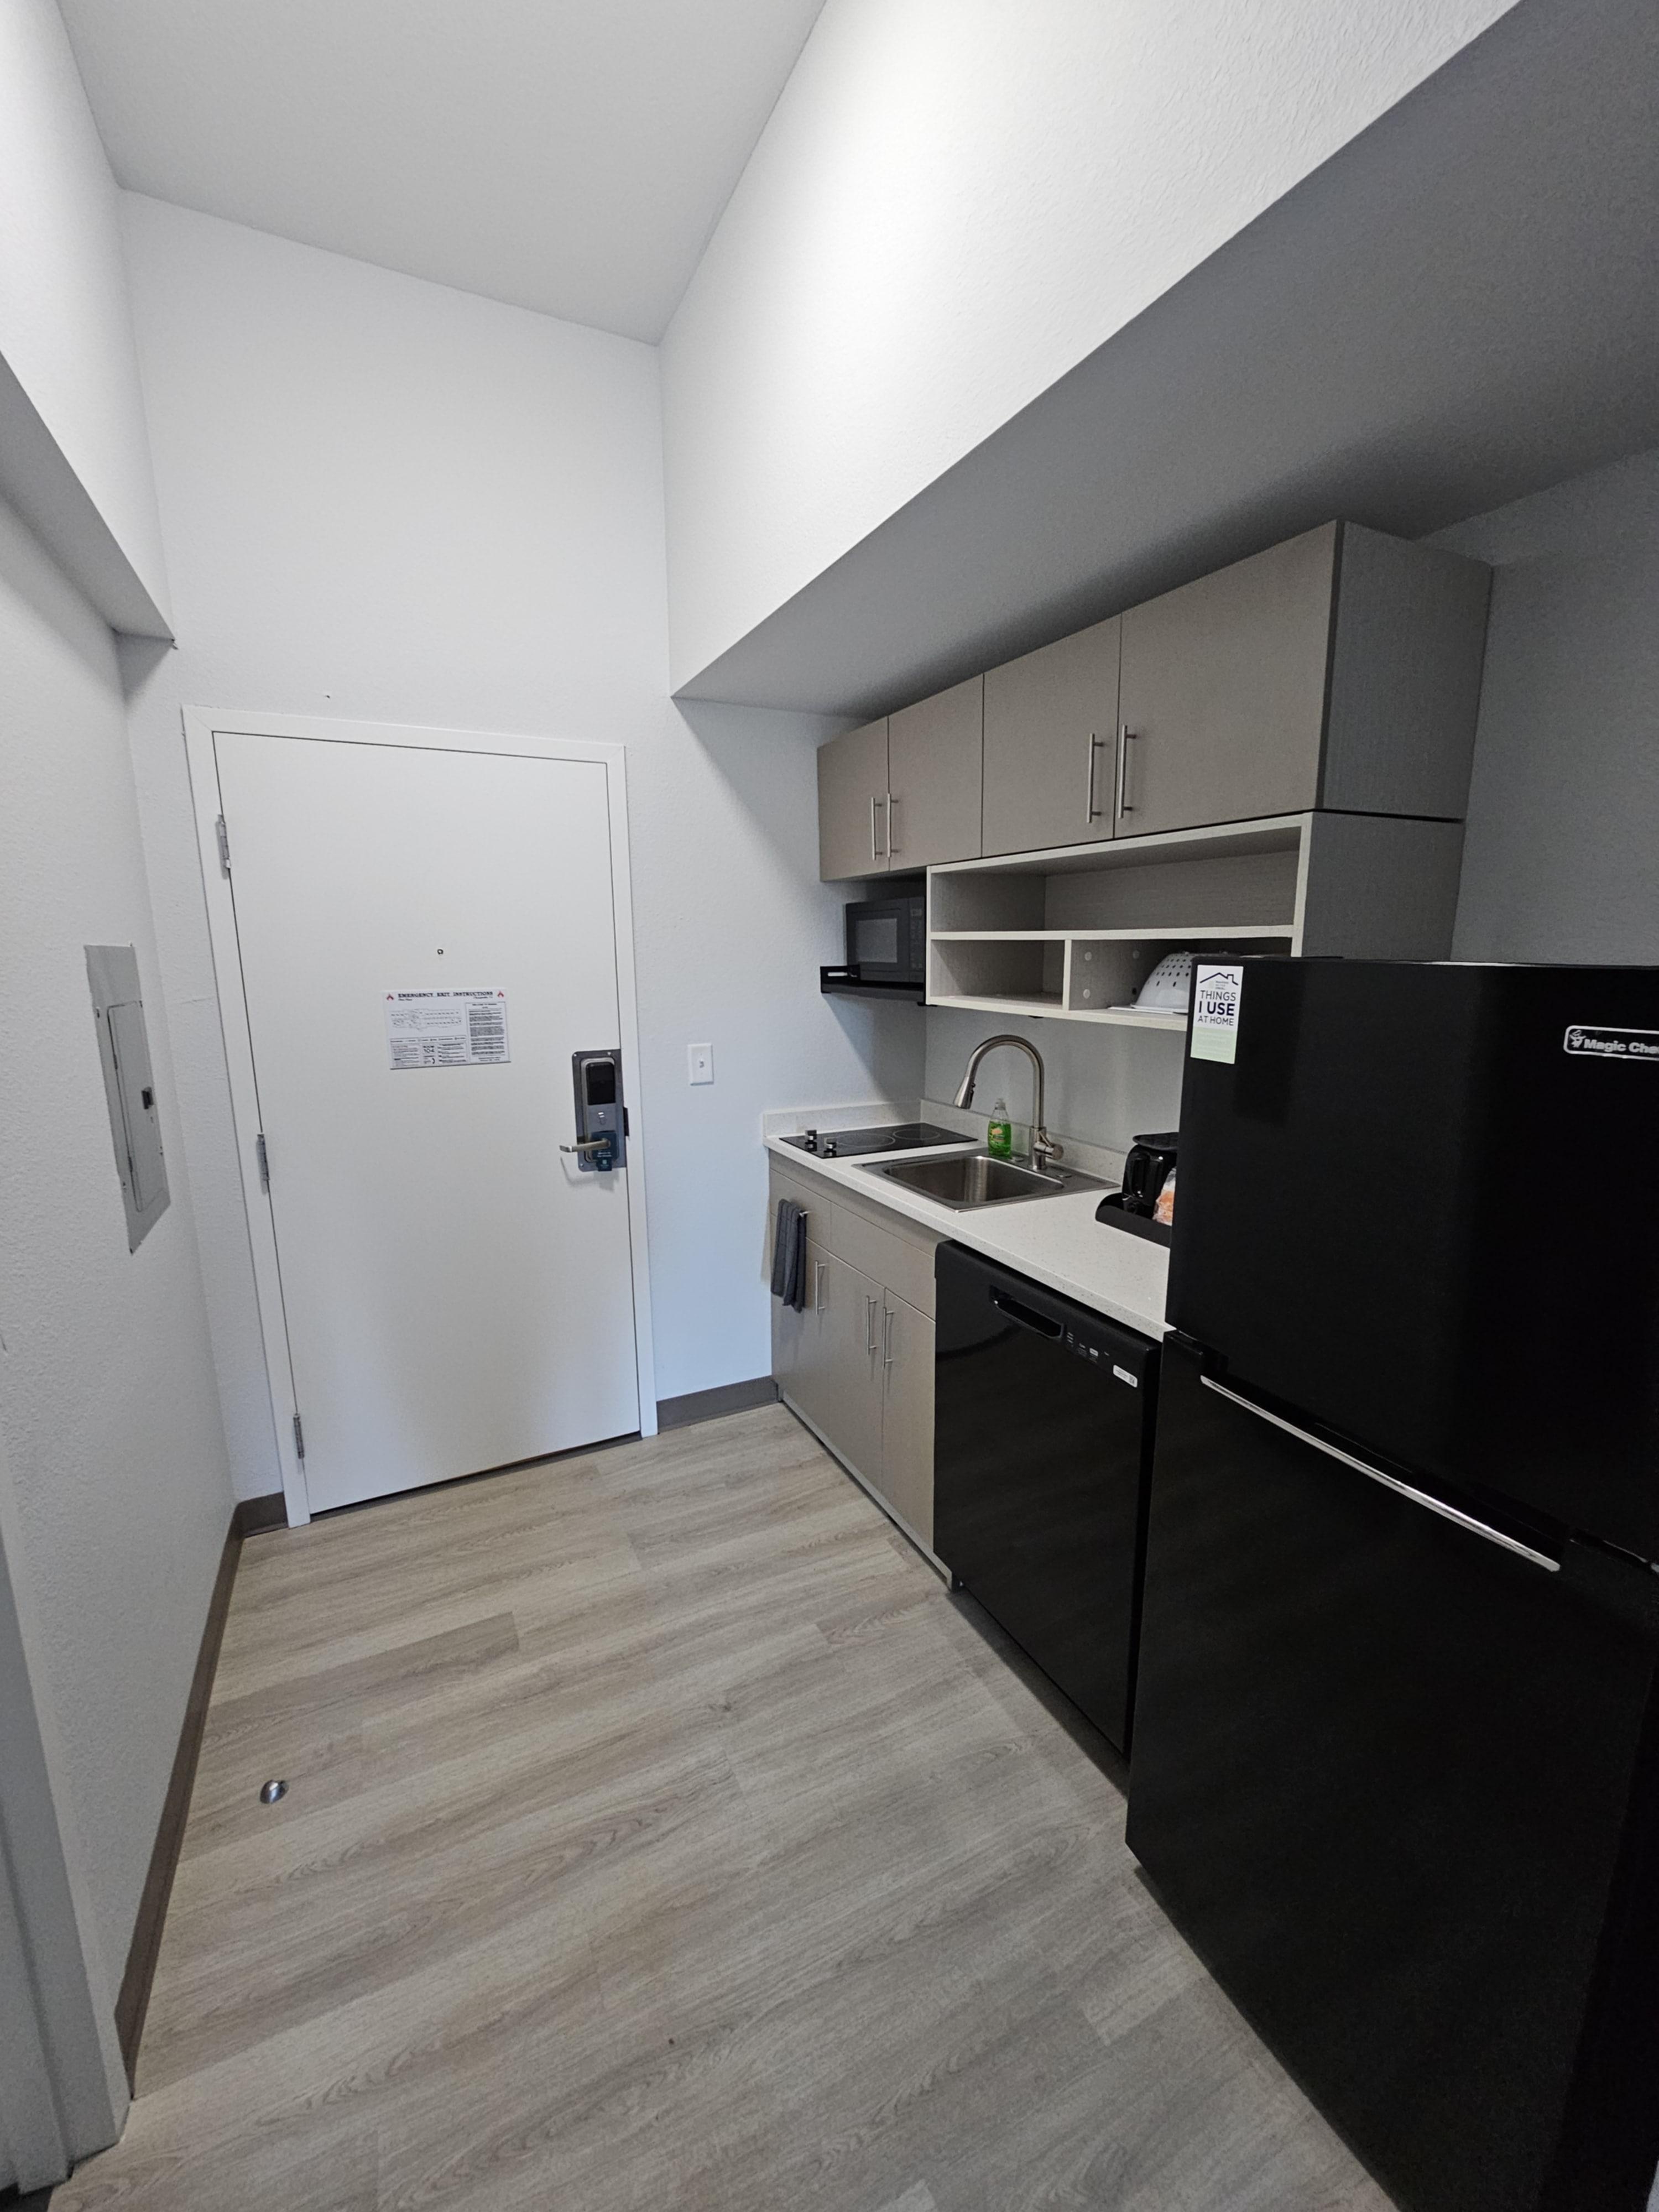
x=975 y=1179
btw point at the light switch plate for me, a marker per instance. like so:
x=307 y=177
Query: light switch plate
x=699 y=1063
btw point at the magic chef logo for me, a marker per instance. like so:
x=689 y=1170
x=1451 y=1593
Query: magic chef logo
x=1611 y=1044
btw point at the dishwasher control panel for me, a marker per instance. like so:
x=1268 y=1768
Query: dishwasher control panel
x=1083 y=1346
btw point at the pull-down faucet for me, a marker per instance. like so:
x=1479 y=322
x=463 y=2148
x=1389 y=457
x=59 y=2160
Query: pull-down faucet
x=1044 y=1147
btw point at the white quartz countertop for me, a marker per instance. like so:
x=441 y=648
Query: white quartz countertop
x=1056 y=1241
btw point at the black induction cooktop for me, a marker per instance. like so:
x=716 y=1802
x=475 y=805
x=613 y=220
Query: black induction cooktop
x=902 y=1136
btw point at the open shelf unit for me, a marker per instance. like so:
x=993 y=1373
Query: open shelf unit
x=1073 y=933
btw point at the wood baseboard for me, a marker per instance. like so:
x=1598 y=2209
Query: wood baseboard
x=711 y=1405
x=253 y=1515
x=133 y=2001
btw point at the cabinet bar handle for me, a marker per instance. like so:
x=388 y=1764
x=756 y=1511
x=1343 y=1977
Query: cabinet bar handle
x=1095 y=742
x=817 y=1285
x=1126 y=737
x=887 y=1336
x=870 y=1326
x=892 y=817
x=874 y=855
x=1388 y=1481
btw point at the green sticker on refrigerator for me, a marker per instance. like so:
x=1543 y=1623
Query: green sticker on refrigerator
x=1216 y=995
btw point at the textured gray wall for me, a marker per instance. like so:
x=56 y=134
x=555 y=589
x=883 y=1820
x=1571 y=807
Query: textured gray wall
x=1561 y=858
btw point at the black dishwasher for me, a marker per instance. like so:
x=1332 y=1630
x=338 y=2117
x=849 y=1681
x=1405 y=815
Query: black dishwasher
x=1042 y=1447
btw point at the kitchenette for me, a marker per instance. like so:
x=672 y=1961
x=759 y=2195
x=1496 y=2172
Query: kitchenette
x=1285 y=1433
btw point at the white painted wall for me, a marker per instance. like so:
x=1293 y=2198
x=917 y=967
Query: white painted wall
x=1564 y=804
x=385 y=500
x=65 y=324
x=953 y=203
x=108 y=1412
x=62 y=2084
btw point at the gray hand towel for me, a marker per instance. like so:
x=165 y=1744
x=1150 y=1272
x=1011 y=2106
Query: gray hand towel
x=789 y=1254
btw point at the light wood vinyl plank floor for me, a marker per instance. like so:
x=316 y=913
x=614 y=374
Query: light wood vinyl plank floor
x=661 y=1834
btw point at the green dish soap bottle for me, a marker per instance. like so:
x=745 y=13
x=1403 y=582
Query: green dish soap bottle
x=1000 y=1133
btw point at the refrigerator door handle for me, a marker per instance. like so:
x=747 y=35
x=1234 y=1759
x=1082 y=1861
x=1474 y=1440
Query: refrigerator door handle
x=1388 y=1481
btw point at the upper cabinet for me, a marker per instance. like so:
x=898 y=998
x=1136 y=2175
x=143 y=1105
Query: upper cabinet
x=1339 y=672
x=1222 y=695
x=1408 y=648
x=903 y=793
x=852 y=837
x=933 y=762
x=1051 y=722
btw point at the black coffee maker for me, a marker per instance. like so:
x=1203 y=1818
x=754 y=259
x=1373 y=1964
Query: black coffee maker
x=1146 y=1170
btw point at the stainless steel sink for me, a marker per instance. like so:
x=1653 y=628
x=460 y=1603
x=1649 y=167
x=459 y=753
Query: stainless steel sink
x=975 y=1179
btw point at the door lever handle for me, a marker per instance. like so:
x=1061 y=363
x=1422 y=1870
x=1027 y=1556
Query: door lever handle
x=602 y=1150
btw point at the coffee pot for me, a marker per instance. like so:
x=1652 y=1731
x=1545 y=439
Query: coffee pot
x=1145 y=1169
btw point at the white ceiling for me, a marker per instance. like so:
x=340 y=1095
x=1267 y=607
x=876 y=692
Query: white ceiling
x=570 y=155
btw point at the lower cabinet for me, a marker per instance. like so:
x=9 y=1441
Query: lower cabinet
x=907 y=1416
x=858 y=1364
x=833 y=1380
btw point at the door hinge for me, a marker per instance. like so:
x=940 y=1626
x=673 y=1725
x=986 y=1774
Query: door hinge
x=223 y=836
x=264 y=1161
x=299 y=1438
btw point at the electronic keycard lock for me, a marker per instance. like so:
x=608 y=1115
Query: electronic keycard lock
x=601 y=1117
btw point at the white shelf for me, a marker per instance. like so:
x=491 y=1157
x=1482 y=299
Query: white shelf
x=1052 y=1009
x=1160 y=935
x=1074 y=935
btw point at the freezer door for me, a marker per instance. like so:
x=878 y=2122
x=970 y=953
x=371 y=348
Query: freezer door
x=1041 y=1414
x=1419 y=1206
x=1396 y=1782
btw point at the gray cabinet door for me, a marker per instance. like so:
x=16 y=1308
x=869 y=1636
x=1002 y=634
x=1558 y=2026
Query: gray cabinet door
x=906 y=1431
x=1223 y=692
x=1050 y=731
x=934 y=759
x=853 y=836
x=837 y=1382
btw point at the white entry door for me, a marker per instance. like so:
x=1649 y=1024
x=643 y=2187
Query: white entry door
x=457 y=1293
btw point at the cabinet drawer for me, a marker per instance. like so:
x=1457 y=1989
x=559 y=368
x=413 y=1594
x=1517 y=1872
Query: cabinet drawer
x=883 y=1246
x=886 y=1249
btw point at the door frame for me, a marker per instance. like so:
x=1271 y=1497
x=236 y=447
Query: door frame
x=201 y=725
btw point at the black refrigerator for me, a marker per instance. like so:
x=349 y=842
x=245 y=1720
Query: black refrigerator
x=1397 y=1752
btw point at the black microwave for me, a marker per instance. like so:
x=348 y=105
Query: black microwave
x=887 y=939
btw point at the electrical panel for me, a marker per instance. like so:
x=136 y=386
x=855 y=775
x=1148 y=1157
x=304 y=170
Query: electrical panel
x=134 y=1126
